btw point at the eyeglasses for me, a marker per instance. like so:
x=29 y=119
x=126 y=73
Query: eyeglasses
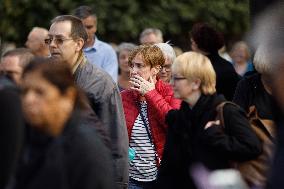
x=57 y=41
x=174 y=78
x=167 y=67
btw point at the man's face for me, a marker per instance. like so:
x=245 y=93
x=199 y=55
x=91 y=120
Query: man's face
x=10 y=65
x=90 y=24
x=61 y=43
x=149 y=39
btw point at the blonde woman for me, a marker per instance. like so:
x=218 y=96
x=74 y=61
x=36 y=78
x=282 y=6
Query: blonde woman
x=194 y=136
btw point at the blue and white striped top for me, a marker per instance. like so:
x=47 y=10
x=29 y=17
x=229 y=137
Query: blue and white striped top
x=143 y=167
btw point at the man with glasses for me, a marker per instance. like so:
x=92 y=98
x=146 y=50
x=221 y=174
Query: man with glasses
x=169 y=55
x=66 y=39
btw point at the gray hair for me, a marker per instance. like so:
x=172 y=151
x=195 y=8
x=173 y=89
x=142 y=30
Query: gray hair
x=126 y=46
x=155 y=31
x=261 y=61
x=168 y=51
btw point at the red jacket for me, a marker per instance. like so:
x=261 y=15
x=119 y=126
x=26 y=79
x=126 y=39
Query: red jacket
x=159 y=102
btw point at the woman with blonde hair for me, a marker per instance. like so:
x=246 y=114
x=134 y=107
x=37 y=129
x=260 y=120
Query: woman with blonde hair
x=194 y=134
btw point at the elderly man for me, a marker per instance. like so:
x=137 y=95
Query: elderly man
x=66 y=38
x=96 y=51
x=151 y=36
x=35 y=41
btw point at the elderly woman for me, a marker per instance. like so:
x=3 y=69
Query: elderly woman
x=61 y=151
x=194 y=135
x=124 y=50
x=254 y=95
x=145 y=104
x=169 y=55
x=207 y=41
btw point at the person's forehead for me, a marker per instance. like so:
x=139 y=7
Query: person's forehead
x=89 y=20
x=60 y=29
x=10 y=63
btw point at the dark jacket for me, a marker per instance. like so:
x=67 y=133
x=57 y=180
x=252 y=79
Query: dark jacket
x=105 y=100
x=11 y=129
x=75 y=159
x=226 y=76
x=188 y=143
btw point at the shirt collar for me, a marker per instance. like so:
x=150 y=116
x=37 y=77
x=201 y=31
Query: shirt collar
x=94 y=47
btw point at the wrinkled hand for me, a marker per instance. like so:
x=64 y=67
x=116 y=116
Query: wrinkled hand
x=141 y=85
x=211 y=123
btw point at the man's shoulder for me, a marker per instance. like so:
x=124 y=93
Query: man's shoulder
x=105 y=46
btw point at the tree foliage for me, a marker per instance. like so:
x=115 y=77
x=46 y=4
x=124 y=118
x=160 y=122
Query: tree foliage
x=123 y=20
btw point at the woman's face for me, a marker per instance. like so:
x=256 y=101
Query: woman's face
x=43 y=104
x=123 y=60
x=183 y=88
x=139 y=67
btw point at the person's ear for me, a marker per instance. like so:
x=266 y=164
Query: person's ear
x=79 y=44
x=196 y=84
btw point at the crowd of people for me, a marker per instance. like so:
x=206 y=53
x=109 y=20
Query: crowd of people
x=77 y=113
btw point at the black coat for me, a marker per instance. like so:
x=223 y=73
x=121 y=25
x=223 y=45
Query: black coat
x=226 y=76
x=188 y=143
x=76 y=159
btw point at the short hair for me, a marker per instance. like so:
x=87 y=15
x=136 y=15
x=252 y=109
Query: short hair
x=193 y=65
x=151 y=55
x=261 y=60
x=58 y=74
x=207 y=38
x=25 y=55
x=241 y=44
x=77 y=28
x=168 y=51
x=84 y=11
x=126 y=46
x=158 y=33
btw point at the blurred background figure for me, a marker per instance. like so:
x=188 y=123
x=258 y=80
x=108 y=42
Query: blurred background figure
x=11 y=129
x=254 y=95
x=35 y=41
x=60 y=151
x=240 y=55
x=14 y=61
x=151 y=36
x=97 y=51
x=206 y=40
x=145 y=104
x=123 y=51
x=169 y=55
x=269 y=32
x=194 y=135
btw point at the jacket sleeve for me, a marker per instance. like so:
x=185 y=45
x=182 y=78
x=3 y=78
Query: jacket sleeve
x=162 y=105
x=238 y=142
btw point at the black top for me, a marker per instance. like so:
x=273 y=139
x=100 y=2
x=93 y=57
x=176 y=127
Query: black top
x=188 y=143
x=226 y=76
x=75 y=159
x=250 y=91
x=11 y=128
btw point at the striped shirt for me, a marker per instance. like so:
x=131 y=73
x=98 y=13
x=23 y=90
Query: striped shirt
x=143 y=167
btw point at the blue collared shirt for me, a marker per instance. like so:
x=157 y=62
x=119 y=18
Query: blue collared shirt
x=104 y=56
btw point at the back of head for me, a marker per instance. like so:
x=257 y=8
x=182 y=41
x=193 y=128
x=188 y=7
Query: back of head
x=25 y=55
x=261 y=60
x=36 y=43
x=148 y=31
x=207 y=38
x=193 y=65
x=77 y=28
x=168 y=51
x=84 y=11
x=151 y=55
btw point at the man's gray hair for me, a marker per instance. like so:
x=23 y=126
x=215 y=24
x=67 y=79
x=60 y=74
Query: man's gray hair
x=155 y=31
